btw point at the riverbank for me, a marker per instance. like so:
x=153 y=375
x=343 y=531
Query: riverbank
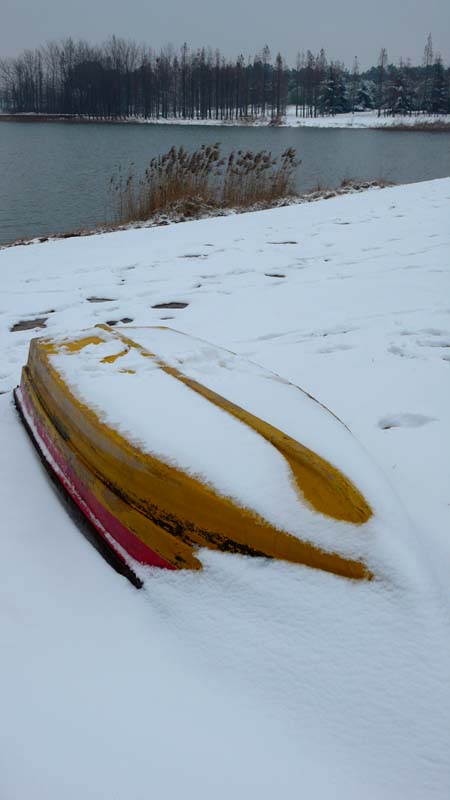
x=370 y=119
x=357 y=120
x=187 y=211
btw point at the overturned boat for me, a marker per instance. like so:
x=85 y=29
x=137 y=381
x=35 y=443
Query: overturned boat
x=168 y=444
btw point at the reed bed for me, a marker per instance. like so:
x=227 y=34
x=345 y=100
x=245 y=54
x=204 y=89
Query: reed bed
x=427 y=126
x=203 y=179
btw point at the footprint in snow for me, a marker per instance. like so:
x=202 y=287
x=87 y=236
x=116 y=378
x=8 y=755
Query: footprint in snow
x=400 y=351
x=404 y=421
x=441 y=342
x=124 y=320
x=335 y=349
x=94 y=299
x=29 y=324
x=195 y=255
x=171 y=305
x=434 y=331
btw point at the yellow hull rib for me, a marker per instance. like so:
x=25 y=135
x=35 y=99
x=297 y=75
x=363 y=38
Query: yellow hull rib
x=322 y=485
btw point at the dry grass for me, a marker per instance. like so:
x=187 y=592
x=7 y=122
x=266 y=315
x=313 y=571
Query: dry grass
x=202 y=179
x=433 y=126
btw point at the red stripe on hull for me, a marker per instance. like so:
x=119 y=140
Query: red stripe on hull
x=109 y=527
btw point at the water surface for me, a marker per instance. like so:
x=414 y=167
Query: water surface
x=54 y=177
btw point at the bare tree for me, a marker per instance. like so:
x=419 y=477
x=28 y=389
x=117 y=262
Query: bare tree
x=428 y=75
x=354 y=84
x=382 y=65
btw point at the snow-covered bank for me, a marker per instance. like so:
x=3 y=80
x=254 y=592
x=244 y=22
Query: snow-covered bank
x=357 y=119
x=186 y=211
x=250 y=679
x=363 y=119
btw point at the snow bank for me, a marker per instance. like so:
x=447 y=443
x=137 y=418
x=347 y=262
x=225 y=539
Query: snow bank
x=251 y=678
x=359 y=119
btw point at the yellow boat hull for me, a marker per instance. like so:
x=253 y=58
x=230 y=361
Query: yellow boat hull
x=147 y=507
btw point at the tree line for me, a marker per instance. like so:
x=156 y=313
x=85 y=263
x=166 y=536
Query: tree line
x=121 y=79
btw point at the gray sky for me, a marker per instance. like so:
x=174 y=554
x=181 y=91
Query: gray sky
x=344 y=28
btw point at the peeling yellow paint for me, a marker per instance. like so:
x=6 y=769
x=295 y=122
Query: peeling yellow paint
x=114 y=357
x=73 y=346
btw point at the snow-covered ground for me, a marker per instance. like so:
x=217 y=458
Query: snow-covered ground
x=359 y=119
x=251 y=679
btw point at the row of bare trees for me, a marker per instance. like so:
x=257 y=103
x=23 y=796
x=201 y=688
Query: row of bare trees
x=121 y=79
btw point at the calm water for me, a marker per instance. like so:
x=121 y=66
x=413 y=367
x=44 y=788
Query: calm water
x=55 y=177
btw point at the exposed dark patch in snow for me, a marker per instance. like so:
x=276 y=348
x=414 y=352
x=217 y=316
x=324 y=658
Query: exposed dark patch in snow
x=94 y=299
x=29 y=324
x=173 y=304
x=404 y=421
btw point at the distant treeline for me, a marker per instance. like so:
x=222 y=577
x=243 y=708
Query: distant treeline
x=121 y=79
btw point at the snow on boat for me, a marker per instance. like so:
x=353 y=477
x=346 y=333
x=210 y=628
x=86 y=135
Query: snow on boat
x=169 y=444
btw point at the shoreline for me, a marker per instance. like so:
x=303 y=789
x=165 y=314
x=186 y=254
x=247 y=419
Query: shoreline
x=348 y=121
x=176 y=215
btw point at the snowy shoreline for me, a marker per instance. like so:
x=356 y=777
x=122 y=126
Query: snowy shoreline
x=356 y=121
x=177 y=213
x=245 y=679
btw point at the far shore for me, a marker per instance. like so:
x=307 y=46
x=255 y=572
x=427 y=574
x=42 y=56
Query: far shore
x=61 y=118
x=356 y=121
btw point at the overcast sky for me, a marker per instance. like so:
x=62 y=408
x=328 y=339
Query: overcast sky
x=345 y=29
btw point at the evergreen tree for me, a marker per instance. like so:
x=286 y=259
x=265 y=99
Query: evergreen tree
x=332 y=99
x=400 y=98
x=365 y=98
x=439 y=95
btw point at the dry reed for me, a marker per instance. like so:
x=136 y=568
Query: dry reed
x=202 y=179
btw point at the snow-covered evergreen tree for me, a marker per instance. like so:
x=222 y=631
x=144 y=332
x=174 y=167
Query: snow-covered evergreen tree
x=365 y=98
x=400 y=94
x=439 y=101
x=333 y=96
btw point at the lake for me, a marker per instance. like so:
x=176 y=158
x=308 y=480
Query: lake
x=55 y=176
